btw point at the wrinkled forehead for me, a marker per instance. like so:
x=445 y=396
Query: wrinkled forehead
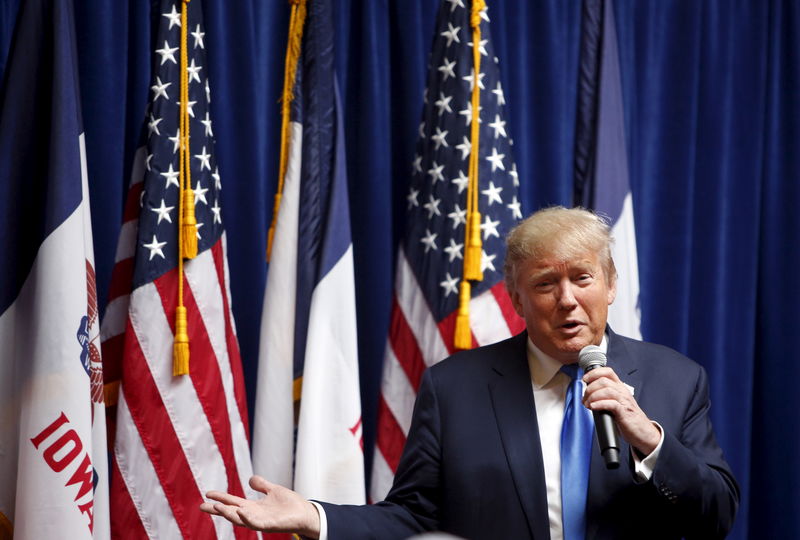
x=586 y=261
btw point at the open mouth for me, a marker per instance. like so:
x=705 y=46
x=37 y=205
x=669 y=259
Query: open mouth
x=570 y=325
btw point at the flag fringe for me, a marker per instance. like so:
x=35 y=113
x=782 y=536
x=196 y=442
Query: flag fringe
x=296 y=23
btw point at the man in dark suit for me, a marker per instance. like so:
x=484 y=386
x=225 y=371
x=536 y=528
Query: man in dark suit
x=482 y=459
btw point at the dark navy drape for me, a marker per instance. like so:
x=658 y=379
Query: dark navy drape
x=712 y=102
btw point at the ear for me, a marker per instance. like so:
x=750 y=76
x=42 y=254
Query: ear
x=612 y=292
x=516 y=302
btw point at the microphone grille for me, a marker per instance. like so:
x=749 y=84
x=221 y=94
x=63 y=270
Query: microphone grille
x=591 y=357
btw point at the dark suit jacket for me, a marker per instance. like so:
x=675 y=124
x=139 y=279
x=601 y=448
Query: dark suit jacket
x=472 y=464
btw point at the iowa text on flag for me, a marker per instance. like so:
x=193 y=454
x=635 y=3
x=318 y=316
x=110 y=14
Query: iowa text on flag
x=308 y=348
x=176 y=436
x=53 y=467
x=430 y=258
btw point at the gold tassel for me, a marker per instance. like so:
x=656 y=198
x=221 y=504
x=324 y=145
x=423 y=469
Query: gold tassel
x=180 y=347
x=463 y=335
x=187 y=222
x=189 y=226
x=473 y=253
x=475 y=14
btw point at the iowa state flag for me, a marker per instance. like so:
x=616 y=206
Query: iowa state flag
x=53 y=480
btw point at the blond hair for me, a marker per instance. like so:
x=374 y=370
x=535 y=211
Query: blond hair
x=563 y=233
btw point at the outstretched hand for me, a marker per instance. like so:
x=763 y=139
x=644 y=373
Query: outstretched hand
x=279 y=510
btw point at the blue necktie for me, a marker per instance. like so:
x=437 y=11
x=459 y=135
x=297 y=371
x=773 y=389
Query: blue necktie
x=576 y=448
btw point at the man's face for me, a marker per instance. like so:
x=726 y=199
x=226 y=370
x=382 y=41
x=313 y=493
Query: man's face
x=564 y=303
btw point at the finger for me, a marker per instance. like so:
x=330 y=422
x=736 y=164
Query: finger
x=258 y=483
x=225 y=498
x=604 y=389
x=602 y=382
x=229 y=512
x=603 y=392
x=598 y=373
x=609 y=405
x=208 y=508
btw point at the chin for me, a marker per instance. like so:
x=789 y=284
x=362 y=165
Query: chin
x=567 y=352
x=573 y=347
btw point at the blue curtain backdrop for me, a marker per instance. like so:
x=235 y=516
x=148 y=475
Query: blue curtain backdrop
x=712 y=100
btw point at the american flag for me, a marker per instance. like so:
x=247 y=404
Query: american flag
x=176 y=436
x=430 y=258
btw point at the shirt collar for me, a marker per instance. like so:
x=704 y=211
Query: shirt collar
x=543 y=367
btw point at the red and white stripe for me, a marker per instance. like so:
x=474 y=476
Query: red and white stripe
x=176 y=437
x=415 y=342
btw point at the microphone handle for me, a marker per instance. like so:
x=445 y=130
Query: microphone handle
x=607 y=438
x=606 y=432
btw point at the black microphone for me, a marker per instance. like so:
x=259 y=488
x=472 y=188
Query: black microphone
x=592 y=357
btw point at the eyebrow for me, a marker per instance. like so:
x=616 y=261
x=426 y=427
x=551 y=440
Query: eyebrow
x=540 y=275
x=581 y=266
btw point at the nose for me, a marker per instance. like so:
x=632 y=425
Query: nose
x=566 y=296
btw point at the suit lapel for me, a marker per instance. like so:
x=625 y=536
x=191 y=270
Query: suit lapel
x=623 y=363
x=601 y=480
x=514 y=409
